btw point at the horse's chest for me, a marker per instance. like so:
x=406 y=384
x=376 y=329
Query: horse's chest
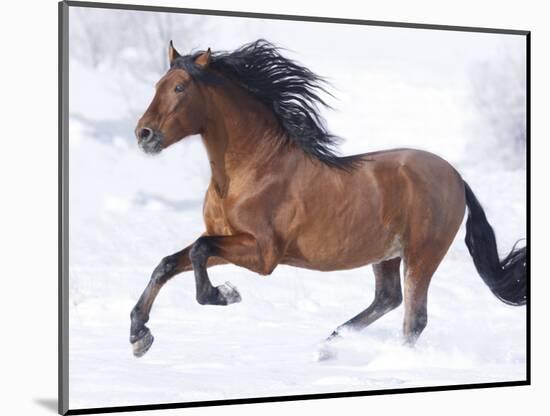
x=215 y=218
x=217 y=215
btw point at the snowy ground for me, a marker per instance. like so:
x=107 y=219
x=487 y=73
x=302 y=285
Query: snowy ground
x=127 y=211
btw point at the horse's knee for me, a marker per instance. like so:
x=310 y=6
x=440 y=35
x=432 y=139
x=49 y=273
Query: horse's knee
x=165 y=269
x=200 y=251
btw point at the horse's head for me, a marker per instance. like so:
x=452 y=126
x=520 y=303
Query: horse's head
x=178 y=107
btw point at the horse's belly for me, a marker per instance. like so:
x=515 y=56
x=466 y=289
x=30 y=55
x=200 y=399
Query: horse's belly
x=336 y=263
x=354 y=250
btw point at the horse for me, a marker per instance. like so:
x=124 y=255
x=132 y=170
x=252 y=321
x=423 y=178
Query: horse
x=279 y=192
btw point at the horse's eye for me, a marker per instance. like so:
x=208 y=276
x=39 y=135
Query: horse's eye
x=179 y=88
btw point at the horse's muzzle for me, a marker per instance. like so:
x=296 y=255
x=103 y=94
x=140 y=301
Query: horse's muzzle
x=149 y=141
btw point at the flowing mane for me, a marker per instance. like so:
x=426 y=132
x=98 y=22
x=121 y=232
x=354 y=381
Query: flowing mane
x=290 y=90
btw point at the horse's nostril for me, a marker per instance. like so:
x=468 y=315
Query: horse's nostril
x=145 y=133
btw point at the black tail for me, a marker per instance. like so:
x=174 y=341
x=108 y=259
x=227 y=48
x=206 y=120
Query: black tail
x=507 y=279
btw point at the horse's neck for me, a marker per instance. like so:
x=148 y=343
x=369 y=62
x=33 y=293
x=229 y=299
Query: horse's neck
x=239 y=135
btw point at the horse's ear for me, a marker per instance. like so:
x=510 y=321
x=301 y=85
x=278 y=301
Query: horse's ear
x=172 y=53
x=203 y=59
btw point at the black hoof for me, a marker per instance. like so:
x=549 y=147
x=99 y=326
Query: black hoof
x=142 y=342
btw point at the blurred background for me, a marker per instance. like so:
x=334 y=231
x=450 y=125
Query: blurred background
x=457 y=94
x=379 y=74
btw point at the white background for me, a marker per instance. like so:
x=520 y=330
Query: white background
x=29 y=220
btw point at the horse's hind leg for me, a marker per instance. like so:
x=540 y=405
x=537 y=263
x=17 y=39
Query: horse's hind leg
x=416 y=304
x=387 y=296
x=420 y=265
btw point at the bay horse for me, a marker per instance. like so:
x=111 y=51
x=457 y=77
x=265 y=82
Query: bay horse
x=280 y=194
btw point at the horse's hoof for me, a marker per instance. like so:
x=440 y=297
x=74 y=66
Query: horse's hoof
x=229 y=293
x=142 y=345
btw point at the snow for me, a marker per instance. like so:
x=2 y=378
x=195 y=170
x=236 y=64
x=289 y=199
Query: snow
x=129 y=210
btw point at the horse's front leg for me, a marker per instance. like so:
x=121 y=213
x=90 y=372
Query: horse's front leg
x=242 y=250
x=140 y=335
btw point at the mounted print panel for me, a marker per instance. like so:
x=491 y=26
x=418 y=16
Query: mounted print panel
x=228 y=180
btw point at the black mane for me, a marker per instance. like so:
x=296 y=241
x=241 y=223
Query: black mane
x=289 y=89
